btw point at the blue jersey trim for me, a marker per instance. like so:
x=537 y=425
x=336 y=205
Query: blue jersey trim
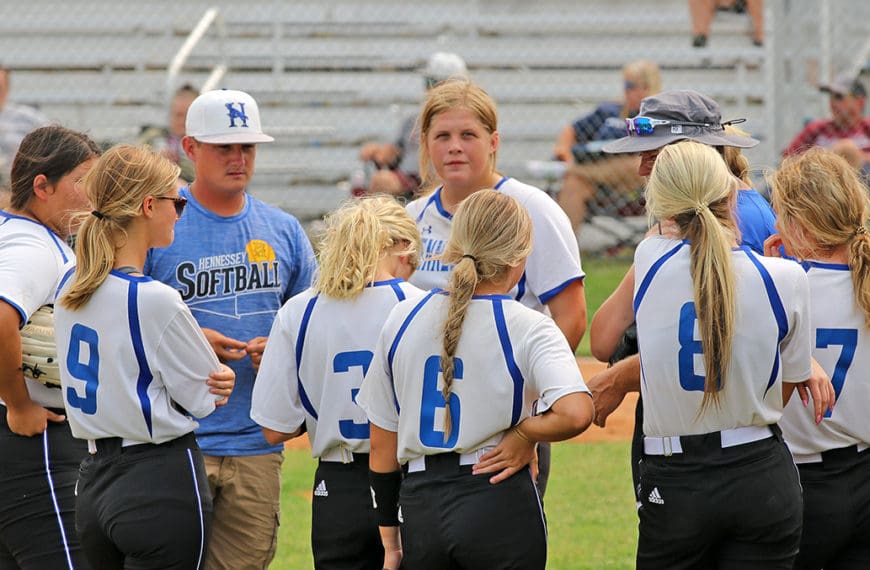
x=548 y=296
x=63 y=280
x=395 y=344
x=493 y=296
x=647 y=279
x=831 y=266
x=508 y=351
x=521 y=287
x=778 y=311
x=54 y=237
x=501 y=182
x=22 y=317
x=145 y=377
x=300 y=342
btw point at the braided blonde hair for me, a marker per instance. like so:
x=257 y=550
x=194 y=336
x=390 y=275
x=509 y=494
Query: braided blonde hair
x=491 y=233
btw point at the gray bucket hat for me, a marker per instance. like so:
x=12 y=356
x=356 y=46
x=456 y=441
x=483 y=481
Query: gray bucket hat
x=684 y=114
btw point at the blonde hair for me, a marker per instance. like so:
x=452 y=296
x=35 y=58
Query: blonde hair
x=446 y=96
x=647 y=73
x=737 y=162
x=491 y=233
x=357 y=236
x=691 y=184
x=116 y=186
x=822 y=194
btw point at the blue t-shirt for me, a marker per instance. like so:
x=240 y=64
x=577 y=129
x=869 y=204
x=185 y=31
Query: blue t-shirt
x=755 y=218
x=234 y=273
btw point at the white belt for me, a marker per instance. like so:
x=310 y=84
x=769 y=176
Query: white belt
x=817 y=457
x=419 y=463
x=729 y=438
x=337 y=455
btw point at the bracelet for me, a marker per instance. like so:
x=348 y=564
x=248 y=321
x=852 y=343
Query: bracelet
x=521 y=434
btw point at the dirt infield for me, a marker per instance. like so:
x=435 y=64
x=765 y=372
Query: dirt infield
x=619 y=424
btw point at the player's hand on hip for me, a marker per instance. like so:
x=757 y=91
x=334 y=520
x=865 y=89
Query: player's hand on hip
x=30 y=419
x=606 y=394
x=221 y=383
x=227 y=349
x=511 y=454
x=255 y=348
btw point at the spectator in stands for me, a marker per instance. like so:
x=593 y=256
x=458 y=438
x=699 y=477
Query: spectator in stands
x=579 y=144
x=167 y=140
x=15 y=122
x=702 y=11
x=847 y=122
x=396 y=169
x=235 y=260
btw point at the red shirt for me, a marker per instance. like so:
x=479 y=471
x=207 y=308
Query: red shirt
x=825 y=133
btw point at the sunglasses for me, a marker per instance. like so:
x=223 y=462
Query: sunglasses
x=643 y=126
x=179 y=203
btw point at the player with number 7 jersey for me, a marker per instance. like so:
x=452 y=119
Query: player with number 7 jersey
x=823 y=211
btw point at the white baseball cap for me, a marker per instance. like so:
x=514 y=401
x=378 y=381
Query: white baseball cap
x=443 y=65
x=224 y=116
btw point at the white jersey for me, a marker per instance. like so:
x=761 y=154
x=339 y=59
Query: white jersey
x=509 y=358
x=33 y=262
x=841 y=345
x=551 y=266
x=319 y=349
x=133 y=363
x=770 y=345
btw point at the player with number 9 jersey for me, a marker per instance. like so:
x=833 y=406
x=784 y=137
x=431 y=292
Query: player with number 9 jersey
x=823 y=210
x=135 y=367
x=319 y=349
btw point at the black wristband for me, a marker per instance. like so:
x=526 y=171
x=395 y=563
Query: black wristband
x=385 y=496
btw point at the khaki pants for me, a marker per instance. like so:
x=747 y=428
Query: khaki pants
x=247 y=506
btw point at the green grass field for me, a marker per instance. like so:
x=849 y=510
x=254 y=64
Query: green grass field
x=589 y=505
x=590 y=510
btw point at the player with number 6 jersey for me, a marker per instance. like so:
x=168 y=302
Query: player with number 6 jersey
x=822 y=209
x=462 y=385
x=134 y=368
x=723 y=336
x=319 y=349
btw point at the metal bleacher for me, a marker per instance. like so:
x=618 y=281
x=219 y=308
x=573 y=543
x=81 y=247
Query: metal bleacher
x=332 y=74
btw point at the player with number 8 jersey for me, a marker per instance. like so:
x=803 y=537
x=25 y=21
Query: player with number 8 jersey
x=723 y=336
x=319 y=349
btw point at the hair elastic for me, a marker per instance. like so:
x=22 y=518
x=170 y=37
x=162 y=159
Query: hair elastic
x=97 y=214
x=471 y=257
x=699 y=207
x=862 y=229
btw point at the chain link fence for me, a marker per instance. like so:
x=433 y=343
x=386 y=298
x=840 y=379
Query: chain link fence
x=332 y=75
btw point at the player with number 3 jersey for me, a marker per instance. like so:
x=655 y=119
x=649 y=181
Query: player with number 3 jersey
x=822 y=209
x=134 y=368
x=462 y=385
x=319 y=349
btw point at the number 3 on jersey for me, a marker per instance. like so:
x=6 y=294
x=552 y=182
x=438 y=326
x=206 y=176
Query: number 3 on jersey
x=433 y=399
x=343 y=362
x=83 y=337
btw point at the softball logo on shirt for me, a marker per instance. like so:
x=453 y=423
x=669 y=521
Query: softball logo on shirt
x=230 y=284
x=432 y=250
